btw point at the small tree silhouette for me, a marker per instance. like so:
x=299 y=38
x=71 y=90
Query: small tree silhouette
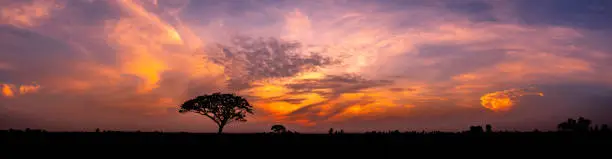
x=331 y=131
x=220 y=108
x=489 y=128
x=582 y=125
x=278 y=129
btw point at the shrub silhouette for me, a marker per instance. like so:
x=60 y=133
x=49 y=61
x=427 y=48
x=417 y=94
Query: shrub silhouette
x=582 y=125
x=220 y=108
x=567 y=126
x=476 y=129
x=489 y=128
x=279 y=129
x=604 y=128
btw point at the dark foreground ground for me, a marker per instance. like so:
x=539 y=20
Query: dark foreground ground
x=369 y=145
x=371 y=139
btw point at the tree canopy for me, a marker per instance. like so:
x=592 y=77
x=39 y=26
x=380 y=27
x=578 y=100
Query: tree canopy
x=220 y=108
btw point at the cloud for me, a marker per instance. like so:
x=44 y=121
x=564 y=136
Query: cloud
x=337 y=84
x=339 y=91
x=27 y=13
x=401 y=89
x=293 y=100
x=7 y=90
x=504 y=100
x=109 y=65
x=126 y=64
x=11 y=90
x=585 y=14
x=249 y=59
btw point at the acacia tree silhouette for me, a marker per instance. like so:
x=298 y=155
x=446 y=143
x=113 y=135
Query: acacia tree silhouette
x=220 y=108
x=278 y=129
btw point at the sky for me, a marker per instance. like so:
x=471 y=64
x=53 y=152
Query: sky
x=357 y=65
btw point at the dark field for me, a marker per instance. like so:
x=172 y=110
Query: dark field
x=365 y=139
x=269 y=145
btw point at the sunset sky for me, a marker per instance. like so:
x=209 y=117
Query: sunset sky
x=357 y=65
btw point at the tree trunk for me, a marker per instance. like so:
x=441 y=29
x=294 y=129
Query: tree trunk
x=220 y=129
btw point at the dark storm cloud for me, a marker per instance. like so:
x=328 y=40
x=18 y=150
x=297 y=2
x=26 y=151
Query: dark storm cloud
x=249 y=59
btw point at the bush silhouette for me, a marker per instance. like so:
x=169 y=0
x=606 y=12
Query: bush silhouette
x=582 y=125
x=604 y=128
x=278 y=129
x=220 y=108
x=476 y=129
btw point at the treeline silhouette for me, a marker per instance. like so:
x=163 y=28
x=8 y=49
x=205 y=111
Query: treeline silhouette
x=572 y=131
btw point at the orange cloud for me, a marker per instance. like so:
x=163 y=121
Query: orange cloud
x=7 y=90
x=504 y=100
x=11 y=90
x=24 y=89
x=150 y=46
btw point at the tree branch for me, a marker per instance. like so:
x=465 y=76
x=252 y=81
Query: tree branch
x=211 y=118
